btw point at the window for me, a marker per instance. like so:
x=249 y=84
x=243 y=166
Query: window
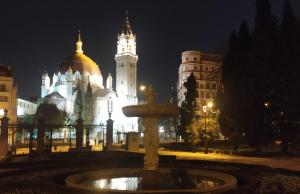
x=214 y=95
x=207 y=95
x=201 y=94
x=201 y=86
x=214 y=86
x=201 y=76
x=195 y=58
x=195 y=67
x=2 y=88
x=3 y=99
x=207 y=85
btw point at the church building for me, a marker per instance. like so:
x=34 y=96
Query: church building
x=79 y=75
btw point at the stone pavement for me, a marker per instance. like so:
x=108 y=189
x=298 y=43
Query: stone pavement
x=289 y=163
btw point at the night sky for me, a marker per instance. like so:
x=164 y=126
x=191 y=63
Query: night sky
x=37 y=35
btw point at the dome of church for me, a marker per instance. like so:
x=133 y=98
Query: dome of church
x=79 y=62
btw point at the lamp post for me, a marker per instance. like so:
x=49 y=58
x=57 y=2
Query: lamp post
x=109 y=126
x=205 y=109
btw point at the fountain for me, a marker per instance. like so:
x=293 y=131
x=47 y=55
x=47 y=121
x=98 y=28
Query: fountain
x=152 y=179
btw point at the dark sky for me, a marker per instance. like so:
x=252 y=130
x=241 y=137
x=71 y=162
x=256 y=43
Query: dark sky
x=37 y=35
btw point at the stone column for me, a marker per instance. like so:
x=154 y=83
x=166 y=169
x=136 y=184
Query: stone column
x=109 y=134
x=151 y=144
x=40 y=136
x=4 y=137
x=22 y=135
x=87 y=137
x=132 y=141
x=79 y=133
x=30 y=140
x=65 y=136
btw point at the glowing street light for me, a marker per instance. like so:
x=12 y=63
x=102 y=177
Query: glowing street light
x=161 y=129
x=142 y=87
x=210 y=104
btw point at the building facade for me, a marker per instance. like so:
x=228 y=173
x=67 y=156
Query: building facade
x=78 y=71
x=8 y=97
x=8 y=94
x=206 y=69
x=25 y=107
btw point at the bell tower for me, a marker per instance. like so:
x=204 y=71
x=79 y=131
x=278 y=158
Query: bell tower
x=126 y=62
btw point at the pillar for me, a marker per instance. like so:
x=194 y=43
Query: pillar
x=87 y=137
x=41 y=135
x=30 y=140
x=4 y=136
x=109 y=134
x=79 y=133
x=132 y=141
x=151 y=144
x=65 y=136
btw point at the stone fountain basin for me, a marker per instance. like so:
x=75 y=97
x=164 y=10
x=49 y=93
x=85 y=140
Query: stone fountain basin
x=77 y=180
x=146 y=110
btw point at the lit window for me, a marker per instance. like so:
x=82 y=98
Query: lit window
x=3 y=99
x=207 y=86
x=214 y=86
x=2 y=88
x=201 y=94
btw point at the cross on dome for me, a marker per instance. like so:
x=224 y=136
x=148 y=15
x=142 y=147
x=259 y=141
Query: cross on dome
x=79 y=44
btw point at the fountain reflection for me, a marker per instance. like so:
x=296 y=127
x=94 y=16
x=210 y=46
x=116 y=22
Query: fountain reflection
x=167 y=182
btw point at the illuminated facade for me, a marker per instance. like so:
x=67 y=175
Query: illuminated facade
x=8 y=94
x=207 y=72
x=8 y=97
x=78 y=70
x=25 y=107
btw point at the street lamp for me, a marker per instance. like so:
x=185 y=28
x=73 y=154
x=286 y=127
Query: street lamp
x=142 y=88
x=206 y=107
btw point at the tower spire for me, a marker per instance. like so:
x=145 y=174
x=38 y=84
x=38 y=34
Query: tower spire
x=79 y=44
x=126 y=26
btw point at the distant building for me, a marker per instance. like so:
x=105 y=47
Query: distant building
x=25 y=107
x=8 y=97
x=207 y=71
x=8 y=94
x=78 y=71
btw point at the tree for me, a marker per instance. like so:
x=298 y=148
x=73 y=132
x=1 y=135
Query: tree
x=78 y=104
x=88 y=106
x=232 y=100
x=51 y=114
x=204 y=127
x=284 y=106
x=173 y=122
x=188 y=106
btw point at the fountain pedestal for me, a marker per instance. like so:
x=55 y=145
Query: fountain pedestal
x=151 y=143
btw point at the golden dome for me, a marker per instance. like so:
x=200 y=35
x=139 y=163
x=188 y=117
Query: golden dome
x=79 y=62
